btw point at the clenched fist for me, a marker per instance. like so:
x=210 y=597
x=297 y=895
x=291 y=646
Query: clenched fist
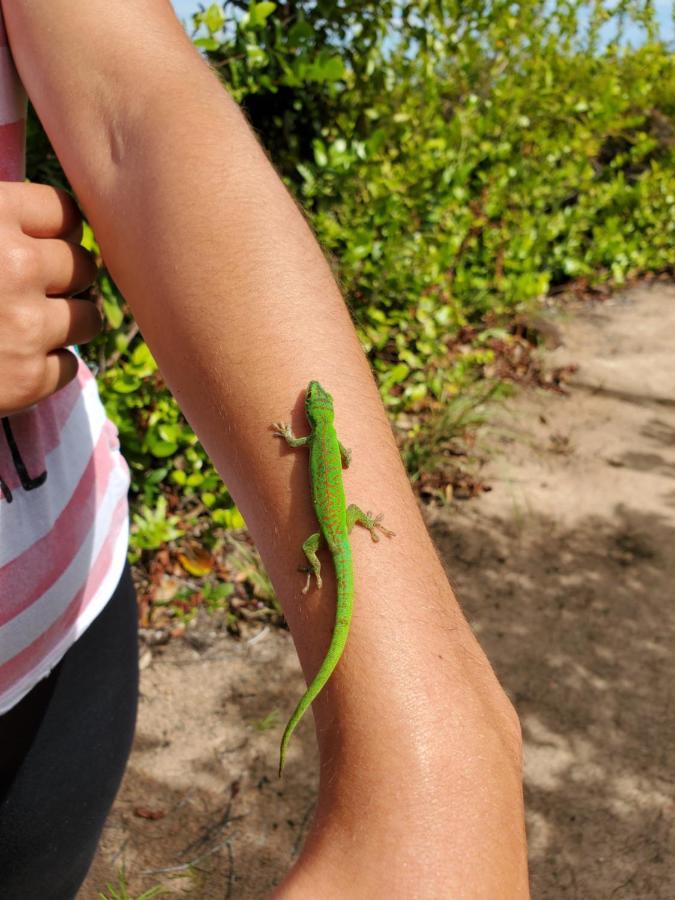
x=41 y=266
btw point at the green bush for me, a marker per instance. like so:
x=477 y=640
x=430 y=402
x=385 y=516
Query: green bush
x=457 y=160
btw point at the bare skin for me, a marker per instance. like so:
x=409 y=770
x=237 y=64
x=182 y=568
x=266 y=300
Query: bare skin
x=40 y=259
x=420 y=787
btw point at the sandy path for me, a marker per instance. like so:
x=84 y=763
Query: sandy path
x=566 y=571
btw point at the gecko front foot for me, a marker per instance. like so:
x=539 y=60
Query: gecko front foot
x=282 y=430
x=367 y=520
x=377 y=523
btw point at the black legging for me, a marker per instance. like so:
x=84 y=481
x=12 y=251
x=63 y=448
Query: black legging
x=63 y=751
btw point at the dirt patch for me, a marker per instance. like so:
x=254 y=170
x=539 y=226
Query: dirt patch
x=566 y=572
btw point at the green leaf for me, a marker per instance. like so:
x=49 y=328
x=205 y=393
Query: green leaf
x=258 y=14
x=300 y=32
x=320 y=154
x=160 y=448
x=125 y=384
x=333 y=69
x=394 y=376
x=157 y=475
x=88 y=240
x=207 y=43
x=376 y=141
x=142 y=362
x=113 y=311
x=169 y=431
x=255 y=55
x=219 y=591
x=213 y=18
x=230 y=518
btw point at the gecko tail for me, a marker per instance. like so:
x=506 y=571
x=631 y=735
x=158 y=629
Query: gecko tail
x=331 y=659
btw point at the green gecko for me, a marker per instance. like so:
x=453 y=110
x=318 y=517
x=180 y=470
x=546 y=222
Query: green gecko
x=327 y=456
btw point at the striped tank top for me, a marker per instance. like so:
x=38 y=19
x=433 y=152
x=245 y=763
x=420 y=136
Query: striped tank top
x=64 y=520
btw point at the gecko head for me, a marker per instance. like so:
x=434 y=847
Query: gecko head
x=318 y=403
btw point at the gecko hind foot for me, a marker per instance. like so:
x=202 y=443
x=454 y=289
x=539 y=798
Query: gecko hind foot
x=309 y=578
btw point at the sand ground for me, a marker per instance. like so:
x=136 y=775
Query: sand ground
x=566 y=570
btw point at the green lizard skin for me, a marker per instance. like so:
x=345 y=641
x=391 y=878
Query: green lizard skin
x=327 y=456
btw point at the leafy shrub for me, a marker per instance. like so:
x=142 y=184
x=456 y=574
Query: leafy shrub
x=456 y=160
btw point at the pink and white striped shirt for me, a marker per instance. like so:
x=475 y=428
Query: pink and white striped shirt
x=64 y=520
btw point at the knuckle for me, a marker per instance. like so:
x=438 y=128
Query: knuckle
x=25 y=321
x=21 y=265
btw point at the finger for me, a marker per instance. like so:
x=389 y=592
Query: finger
x=60 y=368
x=68 y=268
x=70 y=322
x=42 y=210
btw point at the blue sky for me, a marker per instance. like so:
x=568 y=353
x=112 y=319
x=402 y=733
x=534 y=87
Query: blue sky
x=184 y=9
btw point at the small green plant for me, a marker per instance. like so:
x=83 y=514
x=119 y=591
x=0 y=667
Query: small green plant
x=271 y=720
x=151 y=528
x=426 y=445
x=121 y=891
x=217 y=595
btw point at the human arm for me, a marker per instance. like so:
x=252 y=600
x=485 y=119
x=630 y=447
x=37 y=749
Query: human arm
x=223 y=274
